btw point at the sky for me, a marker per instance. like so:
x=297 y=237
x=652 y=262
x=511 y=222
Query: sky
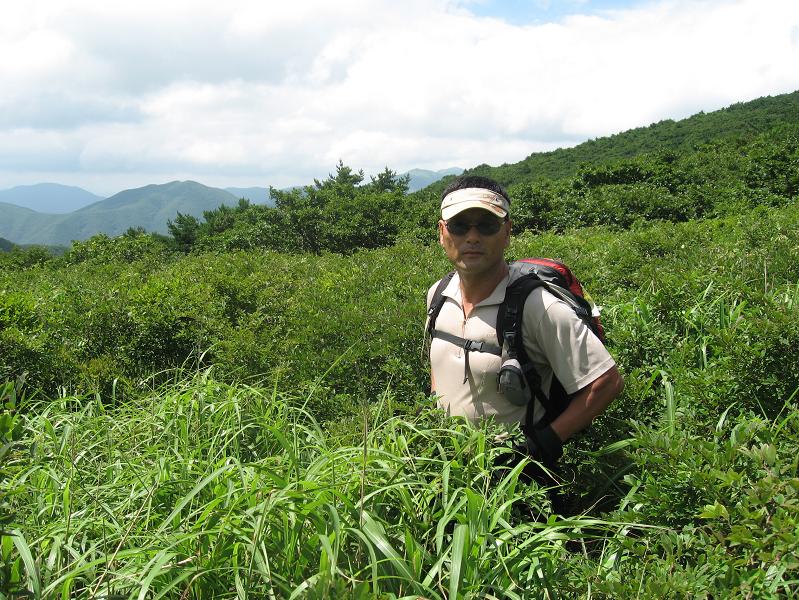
x=115 y=95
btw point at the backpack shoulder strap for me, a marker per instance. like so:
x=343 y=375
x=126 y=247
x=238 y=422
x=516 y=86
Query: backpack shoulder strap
x=437 y=301
x=521 y=283
x=509 y=329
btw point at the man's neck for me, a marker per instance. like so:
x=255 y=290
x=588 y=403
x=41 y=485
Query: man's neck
x=477 y=287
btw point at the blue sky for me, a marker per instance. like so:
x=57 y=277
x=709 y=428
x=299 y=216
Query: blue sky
x=114 y=95
x=527 y=12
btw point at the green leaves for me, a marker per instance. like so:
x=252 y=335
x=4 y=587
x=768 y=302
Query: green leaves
x=714 y=511
x=203 y=488
x=340 y=214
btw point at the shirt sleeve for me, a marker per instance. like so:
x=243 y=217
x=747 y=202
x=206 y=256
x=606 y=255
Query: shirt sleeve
x=563 y=342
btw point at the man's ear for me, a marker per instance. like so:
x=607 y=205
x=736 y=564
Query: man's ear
x=507 y=232
x=441 y=226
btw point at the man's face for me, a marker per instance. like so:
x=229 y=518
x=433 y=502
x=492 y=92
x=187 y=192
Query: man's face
x=474 y=252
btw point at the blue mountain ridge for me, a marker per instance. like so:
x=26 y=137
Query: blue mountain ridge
x=149 y=207
x=51 y=198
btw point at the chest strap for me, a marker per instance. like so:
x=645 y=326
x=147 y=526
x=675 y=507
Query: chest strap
x=468 y=346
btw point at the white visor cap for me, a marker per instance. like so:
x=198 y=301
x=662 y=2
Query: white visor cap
x=466 y=198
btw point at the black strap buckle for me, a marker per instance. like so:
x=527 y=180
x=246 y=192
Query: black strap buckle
x=473 y=346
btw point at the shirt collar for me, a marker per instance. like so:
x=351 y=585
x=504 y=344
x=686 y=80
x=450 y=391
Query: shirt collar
x=453 y=290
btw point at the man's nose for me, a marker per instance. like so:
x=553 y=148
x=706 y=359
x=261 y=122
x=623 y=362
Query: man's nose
x=472 y=234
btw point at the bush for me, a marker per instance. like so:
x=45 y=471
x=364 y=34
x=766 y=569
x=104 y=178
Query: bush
x=134 y=245
x=725 y=501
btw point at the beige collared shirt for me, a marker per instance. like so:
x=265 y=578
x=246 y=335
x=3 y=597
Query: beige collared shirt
x=555 y=340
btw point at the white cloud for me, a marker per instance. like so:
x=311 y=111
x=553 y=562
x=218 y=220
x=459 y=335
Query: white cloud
x=255 y=93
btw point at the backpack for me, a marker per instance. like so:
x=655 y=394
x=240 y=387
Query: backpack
x=525 y=275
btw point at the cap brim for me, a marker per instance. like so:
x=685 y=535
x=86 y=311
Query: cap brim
x=450 y=211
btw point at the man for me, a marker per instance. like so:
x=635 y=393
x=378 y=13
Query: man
x=474 y=231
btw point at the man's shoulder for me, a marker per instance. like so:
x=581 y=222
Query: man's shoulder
x=451 y=279
x=541 y=299
x=542 y=306
x=431 y=291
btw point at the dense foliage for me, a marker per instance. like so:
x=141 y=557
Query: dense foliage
x=113 y=311
x=715 y=179
x=234 y=410
x=339 y=214
x=702 y=316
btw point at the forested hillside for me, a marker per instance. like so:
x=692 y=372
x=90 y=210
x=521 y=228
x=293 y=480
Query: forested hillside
x=239 y=408
x=740 y=122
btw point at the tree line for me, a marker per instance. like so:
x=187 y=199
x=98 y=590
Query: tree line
x=343 y=213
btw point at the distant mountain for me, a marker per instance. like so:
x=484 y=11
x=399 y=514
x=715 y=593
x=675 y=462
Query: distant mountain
x=18 y=224
x=421 y=178
x=52 y=198
x=256 y=195
x=24 y=219
x=5 y=245
x=149 y=207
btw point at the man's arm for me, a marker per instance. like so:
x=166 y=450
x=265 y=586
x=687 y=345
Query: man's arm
x=588 y=403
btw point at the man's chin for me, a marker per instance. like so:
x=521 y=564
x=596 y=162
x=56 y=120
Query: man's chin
x=471 y=259
x=473 y=264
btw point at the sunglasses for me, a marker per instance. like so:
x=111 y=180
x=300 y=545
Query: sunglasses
x=460 y=227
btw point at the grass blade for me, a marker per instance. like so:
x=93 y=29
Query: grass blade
x=459 y=543
x=34 y=582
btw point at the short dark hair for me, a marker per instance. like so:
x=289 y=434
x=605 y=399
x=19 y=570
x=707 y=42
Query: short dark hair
x=475 y=181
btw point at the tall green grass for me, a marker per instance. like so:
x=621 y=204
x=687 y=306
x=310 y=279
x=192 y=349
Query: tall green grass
x=203 y=489
x=207 y=490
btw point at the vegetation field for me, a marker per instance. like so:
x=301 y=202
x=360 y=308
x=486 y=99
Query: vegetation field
x=240 y=409
x=285 y=453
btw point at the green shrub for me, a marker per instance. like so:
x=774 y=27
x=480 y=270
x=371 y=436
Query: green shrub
x=170 y=319
x=134 y=245
x=18 y=309
x=728 y=498
x=19 y=258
